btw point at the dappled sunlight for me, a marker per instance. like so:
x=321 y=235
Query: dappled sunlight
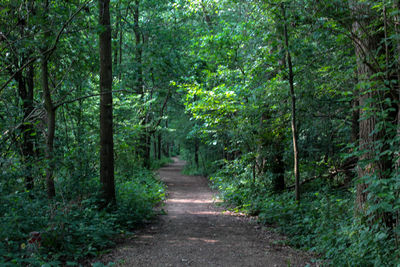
x=205 y=213
x=188 y=201
x=210 y=241
x=193 y=240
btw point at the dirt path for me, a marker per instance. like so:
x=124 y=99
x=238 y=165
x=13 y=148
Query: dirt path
x=197 y=233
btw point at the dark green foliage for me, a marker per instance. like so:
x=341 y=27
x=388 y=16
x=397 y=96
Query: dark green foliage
x=73 y=230
x=69 y=231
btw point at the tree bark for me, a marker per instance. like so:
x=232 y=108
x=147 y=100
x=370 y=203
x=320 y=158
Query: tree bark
x=106 y=106
x=354 y=121
x=120 y=45
x=51 y=116
x=159 y=146
x=25 y=93
x=364 y=44
x=117 y=35
x=145 y=139
x=138 y=49
x=167 y=146
x=397 y=53
x=51 y=128
x=155 y=156
x=373 y=138
x=29 y=131
x=146 y=147
x=293 y=106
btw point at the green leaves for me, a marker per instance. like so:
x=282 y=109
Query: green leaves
x=76 y=230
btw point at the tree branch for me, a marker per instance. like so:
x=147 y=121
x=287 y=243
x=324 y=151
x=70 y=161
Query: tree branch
x=161 y=112
x=87 y=96
x=49 y=51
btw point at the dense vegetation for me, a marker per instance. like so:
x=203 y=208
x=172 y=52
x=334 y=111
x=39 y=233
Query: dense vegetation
x=291 y=107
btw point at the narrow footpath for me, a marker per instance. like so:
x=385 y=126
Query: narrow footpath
x=196 y=232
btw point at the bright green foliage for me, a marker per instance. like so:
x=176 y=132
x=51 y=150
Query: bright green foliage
x=323 y=222
x=237 y=96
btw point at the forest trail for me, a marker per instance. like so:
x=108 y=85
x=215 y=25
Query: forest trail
x=195 y=232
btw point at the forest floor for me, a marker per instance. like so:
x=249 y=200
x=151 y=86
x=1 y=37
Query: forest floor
x=197 y=232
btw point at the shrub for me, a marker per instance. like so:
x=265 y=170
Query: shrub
x=137 y=197
x=36 y=231
x=323 y=222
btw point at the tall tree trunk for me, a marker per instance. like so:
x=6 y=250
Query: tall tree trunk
x=138 y=49
x=147 y=146
x=25 y=93
x=116 y=49
x=117 y=36
x=355 y=128
x=29 y=130
x=51 y=128
x=51 y=116
x=367 y=44
x=154 y=147
x=106 y=107
x=145 y=139
x=364 y=44
x=166 y=148
x=159 y=146
x=293 y=102
x=79 y=131
x=397 y=53
x=120 y=43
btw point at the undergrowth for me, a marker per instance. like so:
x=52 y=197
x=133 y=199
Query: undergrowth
x=323 y=222
x=156 y=164
x=204 y=168
x=39 y=232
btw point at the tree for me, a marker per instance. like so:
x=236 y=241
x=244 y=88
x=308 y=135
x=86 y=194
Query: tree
x=375 y=100
x=26 y=93
x=106 y=105
x=293 y=106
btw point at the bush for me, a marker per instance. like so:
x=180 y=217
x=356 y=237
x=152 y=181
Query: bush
x=137 y=197
x=65 y=231
x=323 y=222
x=36 y=231
x=156 y=164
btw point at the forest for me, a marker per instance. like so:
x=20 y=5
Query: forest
x=291 y=109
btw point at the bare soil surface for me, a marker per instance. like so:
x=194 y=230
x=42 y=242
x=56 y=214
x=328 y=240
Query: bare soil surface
x=196 y=232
